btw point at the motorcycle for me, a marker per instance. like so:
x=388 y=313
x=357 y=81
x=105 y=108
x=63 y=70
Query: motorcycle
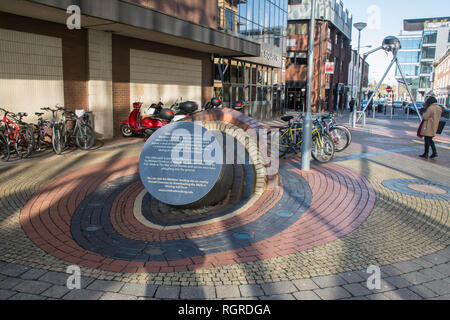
x=156 y=118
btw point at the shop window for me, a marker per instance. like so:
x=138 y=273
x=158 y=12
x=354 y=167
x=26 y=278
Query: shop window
x=301 y=28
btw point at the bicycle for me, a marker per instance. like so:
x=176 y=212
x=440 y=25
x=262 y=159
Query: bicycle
x=81 y=135
x=290 y=141
x=15 y=133
x=43 y=127
x=341 y=136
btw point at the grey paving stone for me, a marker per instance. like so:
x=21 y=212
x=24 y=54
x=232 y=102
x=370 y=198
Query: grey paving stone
x=357 y=298
x=205 y=292
x=139 y=289
x=445 y=252
x=117 y=296
x=284 y=296
x=435 y=258
x=5 y=294
x=357 y=289
x=86 y=281
x=9 y=283
x=389 y=271
x=104 y=285
x=228 y=291
x=332 y=293
x=56 y=292
x=305 y=284
x=251 y=290
x=422 y=291
x=384 y=286
x=58 y=278
x=440 y=287
x=83 y=294
x=417 y=277
x=241 y=298
x=32 y=286
x=444 y=297
x=2 y=277
x=422 y=262
x=278 y=287
x=13 y=270
x=377 y=296
x=328 y=281
x=33 y=274
x=352 y=277
x=167 y=292
x=407 y=266
x=26 y=296
x=443 y=269
x=306 y=295
x=399 y=282
x=402 y=294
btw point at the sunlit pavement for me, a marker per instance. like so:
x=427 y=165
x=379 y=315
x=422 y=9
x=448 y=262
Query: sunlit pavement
x=313 y=237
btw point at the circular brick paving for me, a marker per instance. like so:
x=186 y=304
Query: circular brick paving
x=419 y=188
x=93 y=224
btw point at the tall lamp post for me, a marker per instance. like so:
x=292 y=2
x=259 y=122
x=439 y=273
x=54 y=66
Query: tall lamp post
x=307 y=122
x=359 y=26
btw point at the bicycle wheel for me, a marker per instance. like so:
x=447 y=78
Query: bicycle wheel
x=339 y=137
x=285 y=143
x=57 y=140
x=4 y=149
x=347 y=132
x=322 y=148
x=25 y=143
x=84 y=137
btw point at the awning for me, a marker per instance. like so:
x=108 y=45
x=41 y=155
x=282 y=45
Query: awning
x=131 y=20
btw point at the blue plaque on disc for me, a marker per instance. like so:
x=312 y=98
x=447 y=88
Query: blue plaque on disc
x=181 y=163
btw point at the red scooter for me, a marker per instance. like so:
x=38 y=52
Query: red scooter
x=146 y=125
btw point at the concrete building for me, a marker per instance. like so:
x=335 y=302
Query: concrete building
x=124 y=51
x=442 y=79
x=423 y=41
x=332 y=54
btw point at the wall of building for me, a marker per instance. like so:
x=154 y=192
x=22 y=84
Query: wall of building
x=70 y=47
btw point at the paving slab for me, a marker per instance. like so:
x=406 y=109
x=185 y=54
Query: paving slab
x=333 y=293
x=138 y=289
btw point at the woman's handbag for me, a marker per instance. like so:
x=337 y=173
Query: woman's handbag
x=441 y=126
x=420 y=129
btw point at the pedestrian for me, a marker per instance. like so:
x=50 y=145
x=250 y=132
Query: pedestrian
x=352 y=104
x=429 y=125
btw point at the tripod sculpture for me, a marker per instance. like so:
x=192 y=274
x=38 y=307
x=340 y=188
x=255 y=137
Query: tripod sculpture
x=390 y=44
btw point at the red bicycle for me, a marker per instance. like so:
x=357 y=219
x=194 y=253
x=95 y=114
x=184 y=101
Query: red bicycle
x=15 y=135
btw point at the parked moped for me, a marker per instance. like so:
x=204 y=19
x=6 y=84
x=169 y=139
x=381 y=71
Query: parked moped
x=147 y=124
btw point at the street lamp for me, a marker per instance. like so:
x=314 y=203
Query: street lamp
x=353 y=71
x=359 y=26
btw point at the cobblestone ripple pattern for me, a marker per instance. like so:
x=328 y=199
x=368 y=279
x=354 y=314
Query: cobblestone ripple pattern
x=408 y=233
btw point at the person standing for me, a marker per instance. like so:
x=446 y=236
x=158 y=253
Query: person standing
x=430 y=125
x=352 y=104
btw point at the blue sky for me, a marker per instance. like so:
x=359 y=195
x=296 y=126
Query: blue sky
x=385 y=18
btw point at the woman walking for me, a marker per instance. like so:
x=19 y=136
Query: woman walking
x=430 y=125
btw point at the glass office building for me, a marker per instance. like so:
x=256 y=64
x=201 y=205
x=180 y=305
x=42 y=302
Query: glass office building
x=256 y=80
x=424 y=41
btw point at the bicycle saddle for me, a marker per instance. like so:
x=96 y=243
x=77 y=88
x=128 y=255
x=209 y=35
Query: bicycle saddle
x=287 y=118
x=22 y=114
x=39 y=114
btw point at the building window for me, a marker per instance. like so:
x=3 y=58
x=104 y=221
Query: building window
x=428 y=52
x=426 y=68
x=295 y=1
x=229 y=19
x=429 y=37
x=302 y=28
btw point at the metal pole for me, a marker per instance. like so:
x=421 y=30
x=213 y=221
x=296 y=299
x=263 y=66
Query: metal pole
x=378 y=86
x=307 y=122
